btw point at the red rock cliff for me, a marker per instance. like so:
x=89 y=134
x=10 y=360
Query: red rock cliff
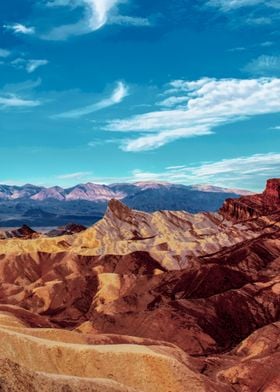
x=248 y=207
x=271 y=193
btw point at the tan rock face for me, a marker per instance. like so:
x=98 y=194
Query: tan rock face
x=166 y=302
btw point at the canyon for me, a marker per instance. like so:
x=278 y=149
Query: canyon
x=165 y=301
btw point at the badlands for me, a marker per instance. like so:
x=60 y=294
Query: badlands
x=145 y=302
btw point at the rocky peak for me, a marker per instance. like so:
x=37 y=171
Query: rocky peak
x=24 y=232
x=271 y=193
x=118 y=209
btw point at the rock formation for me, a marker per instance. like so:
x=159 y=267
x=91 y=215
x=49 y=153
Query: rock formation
x=248 y=207
x=24 y=232
x=167 y=301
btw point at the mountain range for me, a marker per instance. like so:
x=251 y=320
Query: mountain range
x=97 y=192
x=143 y=302
x=86 y=203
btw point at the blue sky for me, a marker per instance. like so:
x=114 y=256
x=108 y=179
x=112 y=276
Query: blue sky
x=106 y=91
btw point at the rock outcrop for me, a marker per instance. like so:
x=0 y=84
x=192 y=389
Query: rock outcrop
x=24 y=232
x=69 y=229
x=248 y=207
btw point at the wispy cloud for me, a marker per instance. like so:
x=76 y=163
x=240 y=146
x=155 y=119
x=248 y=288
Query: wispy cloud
x=251 y=12
x=236 y=172
x=73 y=176
x=19 y=28
x=4 y=53
x=14 y=101
x=209 y=103
x=25 y=87
x=267 y=44
x=229 y=5
x=19 y=95
x=30 y=65
x=96 y=14
x=129 y=20
x=117 y=96
x=264 y=66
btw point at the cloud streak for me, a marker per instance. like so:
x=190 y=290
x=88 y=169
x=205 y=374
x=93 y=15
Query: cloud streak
x=209 y=103
x=19 y=28
x=229 y=5
x=15 y=101
x=117 y=96
x=19 y=95
x=236 y=172
x=73 y=176
x=29 y=65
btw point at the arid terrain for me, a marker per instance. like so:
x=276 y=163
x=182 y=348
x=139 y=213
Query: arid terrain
x=145 y=302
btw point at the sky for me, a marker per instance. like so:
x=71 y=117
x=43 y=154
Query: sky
x=185 y=91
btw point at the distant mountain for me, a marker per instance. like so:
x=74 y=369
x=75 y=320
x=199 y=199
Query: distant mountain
x=8 y=192
x=211 y=188
x=86 y=203
x=98 y=192
x=176 y=198
x=89 y=192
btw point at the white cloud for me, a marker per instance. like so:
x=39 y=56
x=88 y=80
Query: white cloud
x=96 y=13
x=32 y=65
x=210 y=103
x=29 y=65
x=153 y=141
x=120 y=92
x=19 y=28
x=264 y=65
x=4 y=53
x=14 y=101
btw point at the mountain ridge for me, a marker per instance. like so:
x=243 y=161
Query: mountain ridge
x=85 y=204
x=94 y=192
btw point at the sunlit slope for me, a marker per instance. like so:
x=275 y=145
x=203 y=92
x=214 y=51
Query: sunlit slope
x=66 y=357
